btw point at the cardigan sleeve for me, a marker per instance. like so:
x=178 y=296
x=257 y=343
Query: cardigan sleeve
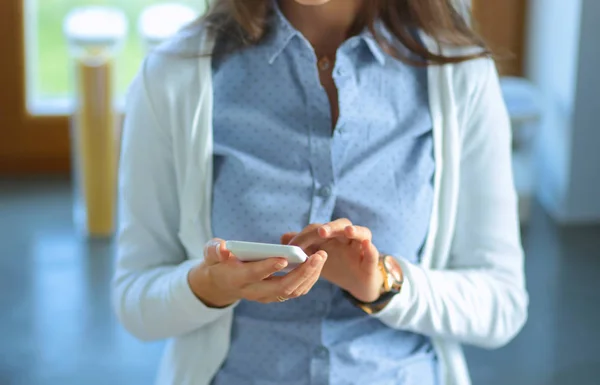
x=480 y=296
x=151 y=294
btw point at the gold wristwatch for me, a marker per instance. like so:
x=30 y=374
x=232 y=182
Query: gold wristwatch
x=392 y=285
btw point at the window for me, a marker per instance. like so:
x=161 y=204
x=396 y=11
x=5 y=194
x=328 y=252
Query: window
x=49 y=68
x=35 y=71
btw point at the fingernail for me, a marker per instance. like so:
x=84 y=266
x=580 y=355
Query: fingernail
x=281 y=264
x=326 y=229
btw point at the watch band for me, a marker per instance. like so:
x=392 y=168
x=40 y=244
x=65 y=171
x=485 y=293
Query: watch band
x=392 y=285
x=372 y=307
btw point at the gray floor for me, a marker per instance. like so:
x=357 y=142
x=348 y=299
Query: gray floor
x=56 y=326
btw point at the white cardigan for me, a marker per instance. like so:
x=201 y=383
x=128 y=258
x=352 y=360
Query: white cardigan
x=469 y=287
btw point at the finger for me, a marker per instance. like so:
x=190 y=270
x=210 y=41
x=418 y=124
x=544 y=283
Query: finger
x=314 y=235
x=287 y=237
x=370 y=256
x=215 y=252
x=357 y=247
x=307 y=272
x=306 y=237
x=358 y=233
x=305 y=287
x=253 y=272
x=335 y=228
x=342 y=239
x=270 y=289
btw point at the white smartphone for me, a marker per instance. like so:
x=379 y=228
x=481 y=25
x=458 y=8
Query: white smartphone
x=252 y=252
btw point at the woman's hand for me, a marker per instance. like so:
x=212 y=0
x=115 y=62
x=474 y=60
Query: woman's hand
x=353 y=259
x=222 y=279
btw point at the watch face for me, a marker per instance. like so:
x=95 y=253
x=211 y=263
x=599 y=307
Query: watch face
x=393 y=268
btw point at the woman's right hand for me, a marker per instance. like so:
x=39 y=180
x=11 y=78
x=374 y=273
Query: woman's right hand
x=222 y=279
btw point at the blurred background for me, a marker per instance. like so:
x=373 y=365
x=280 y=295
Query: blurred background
x=64 y=71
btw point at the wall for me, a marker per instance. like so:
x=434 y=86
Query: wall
x=562 y=60
x=584 y=197
x=551 y=65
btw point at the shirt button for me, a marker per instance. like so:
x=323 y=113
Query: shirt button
x=325 y=191
x=321 y=352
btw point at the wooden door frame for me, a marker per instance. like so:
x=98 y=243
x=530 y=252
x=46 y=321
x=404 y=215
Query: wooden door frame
x=503 y=25
x=28 y=143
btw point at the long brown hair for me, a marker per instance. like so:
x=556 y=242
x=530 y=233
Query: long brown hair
x=245 y=23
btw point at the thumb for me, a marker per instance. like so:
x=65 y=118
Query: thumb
x=215 y=252
x=287 y=237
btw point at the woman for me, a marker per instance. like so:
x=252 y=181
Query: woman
x=371 y=133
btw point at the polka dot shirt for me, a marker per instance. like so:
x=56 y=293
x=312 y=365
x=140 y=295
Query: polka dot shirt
x=278 y=167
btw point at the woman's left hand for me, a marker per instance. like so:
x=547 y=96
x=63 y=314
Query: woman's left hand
x=353 y=259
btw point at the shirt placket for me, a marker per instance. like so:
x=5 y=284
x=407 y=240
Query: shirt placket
x=348 y=108
x=323 y=192
x=324 y=188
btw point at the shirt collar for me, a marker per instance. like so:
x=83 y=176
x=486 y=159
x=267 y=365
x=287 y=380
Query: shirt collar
x=374 y=46
x=282 y=32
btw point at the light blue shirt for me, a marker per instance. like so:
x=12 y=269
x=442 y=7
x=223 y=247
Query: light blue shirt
x=278 y=168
